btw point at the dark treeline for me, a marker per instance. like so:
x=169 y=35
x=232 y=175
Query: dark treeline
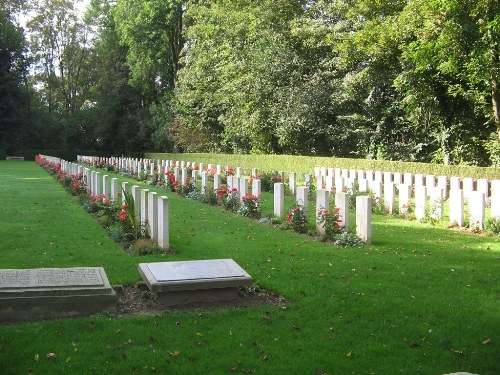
x=399 y=80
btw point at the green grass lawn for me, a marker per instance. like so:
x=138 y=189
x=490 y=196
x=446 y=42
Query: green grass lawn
x=419 y=300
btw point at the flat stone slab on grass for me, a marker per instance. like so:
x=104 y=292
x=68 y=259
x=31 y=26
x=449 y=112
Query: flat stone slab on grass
x=191 y=282
x=42 y=293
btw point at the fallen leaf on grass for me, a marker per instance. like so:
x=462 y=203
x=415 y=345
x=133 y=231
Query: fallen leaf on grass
x=265 y=317
x=37 y=357
x=51 y=355
x=349 y=354
x=486 y=342
x=457 y=351
x=175 y=353
x=414 y=345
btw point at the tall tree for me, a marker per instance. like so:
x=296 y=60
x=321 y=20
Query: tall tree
x=13 y=98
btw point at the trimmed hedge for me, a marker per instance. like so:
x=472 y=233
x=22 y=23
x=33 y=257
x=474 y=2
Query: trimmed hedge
x=70 y=155
x=306 y=164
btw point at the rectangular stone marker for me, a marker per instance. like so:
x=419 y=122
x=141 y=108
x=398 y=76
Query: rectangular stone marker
x=442 y=183
x=191 y=282
x=387 y=177
x=163 y=223
x=238 y=172
x=495 y=198
x=153 y=215
x=136 y=195
x=455 y=183
x=342 y=203
x=184 y=176
x=204 y=182
x=476 y=209
x=302 y=196
x=364 y=218
x=483 y=186
x=420 y=201
x=91 y=186
x=389 y=197
x=397 y=178
x=256 y=187
x=404 y=198
x=27 y=294
x=105 y=187
x=468 y=186
x=430 y=183
x=292 y=182
x=279 y=200
x=456 y=207
x=329 y=182
x=124 y=189
x=322 y=202
x=216 y=181
x=144 y=206
x=377 y=189
x=363 y=185
x=114 y=189
x=436 y=203
x=243 y=188
x=339 y=183
x=319 y=182
x=408 y=179
x=419 y=180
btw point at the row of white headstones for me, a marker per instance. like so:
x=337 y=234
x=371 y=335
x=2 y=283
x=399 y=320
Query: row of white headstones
x=151 y=209
x=429 y=191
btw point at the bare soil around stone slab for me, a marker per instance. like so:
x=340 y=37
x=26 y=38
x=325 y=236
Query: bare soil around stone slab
x=138 y=300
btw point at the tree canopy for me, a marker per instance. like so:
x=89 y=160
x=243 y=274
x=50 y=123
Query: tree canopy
x=400 y=80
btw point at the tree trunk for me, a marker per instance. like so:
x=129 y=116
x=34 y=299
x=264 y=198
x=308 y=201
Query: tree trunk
x=495 y=101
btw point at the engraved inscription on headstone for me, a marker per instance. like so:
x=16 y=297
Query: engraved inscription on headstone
x=50 y=277
x=195 y=270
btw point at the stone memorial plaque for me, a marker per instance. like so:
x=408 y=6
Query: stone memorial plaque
x=43 y=293
x=196 y=270
x=187 y=282
x=50 y=277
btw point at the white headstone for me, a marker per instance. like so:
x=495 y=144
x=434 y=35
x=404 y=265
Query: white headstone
x=408 y=179
x=243 y=188
x=389 y=197
x=302 y=196
x=404 y=198
x=342 y=203
x=476 y=209
x=377 y=189
x=204 y=182
x=329 y=182
x=256 y=187
x=216 y=181
x=114 y=189
x=420 y=201
x=144 y=206
x=442 y=183
x=468 y=186
x=430 y=183
x=124 y=189
x=364 y=218
x=136 y=195
x=322 y=203
x=387 y=177
x=163 y=223
x=419 y=180
x=436 y=203
x=455 y=183
x=319 y=182
x=238 y=172
x=363 y=185
x=495 y=198
x=292 y=181
x=279 y=200
x=105 y=187
x=483 y=185
x=153 y=215
x=456 y=207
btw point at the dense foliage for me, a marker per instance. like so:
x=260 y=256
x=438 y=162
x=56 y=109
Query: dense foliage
x=414 y=80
